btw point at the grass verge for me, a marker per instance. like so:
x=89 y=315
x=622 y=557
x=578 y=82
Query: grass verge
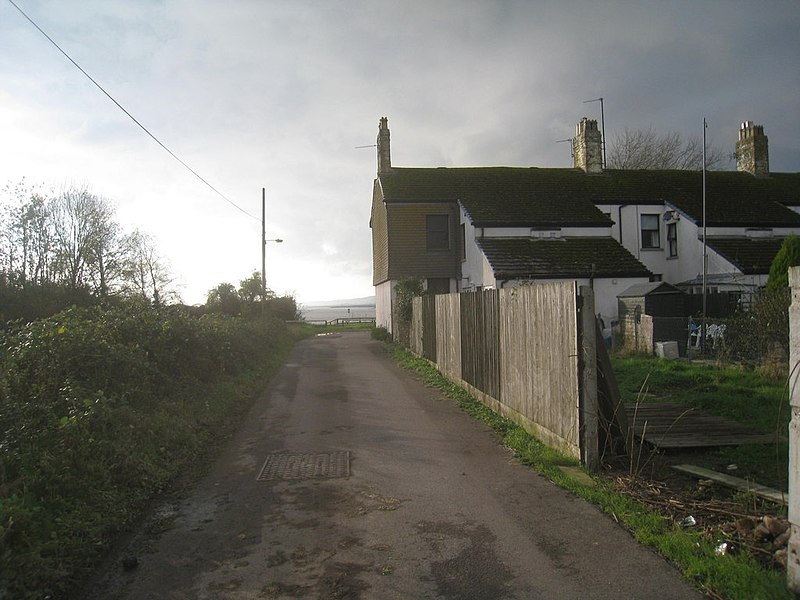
x=727 y=576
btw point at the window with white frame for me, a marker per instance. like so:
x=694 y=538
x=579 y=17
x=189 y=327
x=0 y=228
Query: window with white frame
x=672 y=239
x=651 y=234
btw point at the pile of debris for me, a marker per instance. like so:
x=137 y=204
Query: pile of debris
x=767 y=535
x=732 y=525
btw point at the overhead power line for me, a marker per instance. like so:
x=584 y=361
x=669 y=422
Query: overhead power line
x=132 y=118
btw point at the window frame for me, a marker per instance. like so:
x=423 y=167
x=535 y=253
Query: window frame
x=672 y=240
x=654 y=238
x=437 y=238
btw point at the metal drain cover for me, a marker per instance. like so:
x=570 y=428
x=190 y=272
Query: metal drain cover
x=305 y=465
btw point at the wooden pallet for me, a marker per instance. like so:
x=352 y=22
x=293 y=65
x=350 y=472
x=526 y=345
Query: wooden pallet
x=666 y=425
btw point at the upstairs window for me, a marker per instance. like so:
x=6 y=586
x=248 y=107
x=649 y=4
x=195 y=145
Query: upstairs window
x=651 y=237
x=437 y=232
x=672 y=239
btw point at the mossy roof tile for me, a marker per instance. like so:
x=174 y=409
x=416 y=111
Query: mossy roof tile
x=526 y=258
x=750 y=255
x=519 y=196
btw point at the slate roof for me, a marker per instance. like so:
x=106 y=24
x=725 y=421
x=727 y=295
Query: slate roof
x=526 y=258
x=508 y=196
x=751 y=256
x=499 y=196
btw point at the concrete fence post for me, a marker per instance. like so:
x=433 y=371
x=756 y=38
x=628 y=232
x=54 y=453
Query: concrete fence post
x=588 y=390
x=793 y=558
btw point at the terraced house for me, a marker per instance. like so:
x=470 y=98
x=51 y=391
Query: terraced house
x=467 y=229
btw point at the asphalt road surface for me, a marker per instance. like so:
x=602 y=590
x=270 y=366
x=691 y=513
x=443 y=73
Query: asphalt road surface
x=431 y=506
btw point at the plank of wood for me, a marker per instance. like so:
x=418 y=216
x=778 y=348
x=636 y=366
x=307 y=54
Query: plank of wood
x=669 y=425
x=736 y=483
x=610 y=404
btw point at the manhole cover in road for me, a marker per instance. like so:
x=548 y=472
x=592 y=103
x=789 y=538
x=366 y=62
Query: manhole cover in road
x=305 y=465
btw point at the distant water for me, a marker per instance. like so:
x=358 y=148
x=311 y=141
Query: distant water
x=328 y=313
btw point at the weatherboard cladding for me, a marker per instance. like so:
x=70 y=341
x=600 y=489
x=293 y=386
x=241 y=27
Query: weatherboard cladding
x=505 y=196
x=579 y=257
x=407 y=247
x=380 y=239
x=752 y=256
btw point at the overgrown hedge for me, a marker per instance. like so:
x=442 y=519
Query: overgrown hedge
x=99 y=409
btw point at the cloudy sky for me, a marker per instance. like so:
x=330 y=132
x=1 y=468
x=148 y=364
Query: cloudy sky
x=256 y=93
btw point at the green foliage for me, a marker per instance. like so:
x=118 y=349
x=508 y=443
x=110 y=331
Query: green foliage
x=381 y=334
x=406 y=289
x=250 y=301
x=787 y=256
x=282 y=307
x=99 y=409
x=36 y=301
x=251 y=290
x=224 y=299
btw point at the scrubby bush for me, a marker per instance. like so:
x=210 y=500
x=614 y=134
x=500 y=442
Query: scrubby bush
x=381 y=334
x=99 y=409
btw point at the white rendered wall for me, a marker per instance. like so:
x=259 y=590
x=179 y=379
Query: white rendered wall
x=383 y=304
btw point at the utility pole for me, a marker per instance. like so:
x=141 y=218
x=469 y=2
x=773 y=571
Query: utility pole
x=263 y=247
x=264 y=241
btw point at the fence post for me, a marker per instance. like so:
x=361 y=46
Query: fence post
x=588 y=364
x=793 y=558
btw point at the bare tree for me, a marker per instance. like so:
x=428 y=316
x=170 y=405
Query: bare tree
x=646 y=149
x=144 y=273
x=84 y=235
x=26 y=236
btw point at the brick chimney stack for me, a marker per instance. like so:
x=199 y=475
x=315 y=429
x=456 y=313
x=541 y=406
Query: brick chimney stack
x=384 y=153
x=587 y=146
x=752 y=152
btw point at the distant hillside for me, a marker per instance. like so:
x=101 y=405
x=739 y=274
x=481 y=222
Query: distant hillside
x=346 y=302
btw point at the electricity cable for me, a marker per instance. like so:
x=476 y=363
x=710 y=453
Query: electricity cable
x=134 y=119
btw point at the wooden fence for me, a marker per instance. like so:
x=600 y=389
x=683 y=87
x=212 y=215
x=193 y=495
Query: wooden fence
x=527 y=352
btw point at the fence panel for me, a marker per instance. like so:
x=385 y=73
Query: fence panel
x=539 y=371
x=429 y=327
x=480 y=341
x=448 y=335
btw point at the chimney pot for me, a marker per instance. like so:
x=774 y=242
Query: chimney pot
x=752 y=150
x=384 y=151
x=587 y=146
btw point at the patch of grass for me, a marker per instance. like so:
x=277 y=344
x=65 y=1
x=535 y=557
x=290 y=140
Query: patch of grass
x=729 y=576
x=735 y=393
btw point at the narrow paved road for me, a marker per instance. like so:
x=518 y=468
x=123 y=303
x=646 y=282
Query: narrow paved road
x=433 y=507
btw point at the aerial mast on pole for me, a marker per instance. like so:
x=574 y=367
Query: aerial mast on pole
x=602 y=125
x=705 y=253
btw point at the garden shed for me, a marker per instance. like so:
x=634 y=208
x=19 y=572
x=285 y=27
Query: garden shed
x=649 y=313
